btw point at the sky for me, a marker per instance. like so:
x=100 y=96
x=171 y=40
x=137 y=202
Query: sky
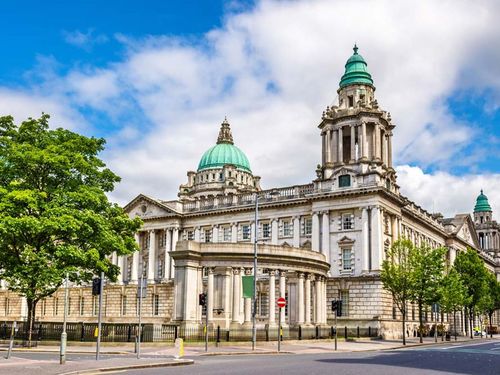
x=156 y=79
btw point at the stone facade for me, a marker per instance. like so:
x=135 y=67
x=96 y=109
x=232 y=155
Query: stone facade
x=316 y=242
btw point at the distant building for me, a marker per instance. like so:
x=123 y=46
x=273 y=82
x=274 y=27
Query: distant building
x=316 y=242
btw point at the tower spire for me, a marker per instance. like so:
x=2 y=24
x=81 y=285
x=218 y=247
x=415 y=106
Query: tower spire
x=225 y=135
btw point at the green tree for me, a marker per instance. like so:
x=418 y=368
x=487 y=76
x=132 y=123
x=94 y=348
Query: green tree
x=491 y=300
x=427 y=272
x=55 y=218
x=396 y=276
x=473 y=274
x=453 y=295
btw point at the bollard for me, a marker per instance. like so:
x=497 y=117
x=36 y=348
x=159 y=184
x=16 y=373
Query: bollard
x=218 y=336
x=358 y=332
x=179 y=345
x=369 y=331
x=300 y=332
x=345 y=333
x=176 y=333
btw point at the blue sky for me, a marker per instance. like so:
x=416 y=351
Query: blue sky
x=156 y=78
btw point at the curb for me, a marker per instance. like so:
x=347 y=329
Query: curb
x=213 y=354
x=414 y=345
x=175 y=363
x=26 y=350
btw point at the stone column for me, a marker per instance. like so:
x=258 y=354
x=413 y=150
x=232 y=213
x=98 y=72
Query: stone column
x=365 y=266
x=248 y=303
x=175 y=237
x=121 y=264
x=135 y=261
x=328 y=147
x=283 y=293
x=340 y=148
x=377 y=142
x=389 y=149
x=364 y=143
x=197 y=234
x=234 y=232
x=377 y=246
x=272 y=297
x=151 y=256
x=353 y=143
x=315 y=232
x=274 y=231
x=325 y=243
x=296 y=231
x=394 y=229
x=383 y=147
x=307 y=296
x=210 y=295
x=215 y=233
x=300 y=297
x=317 y=308
x=167 y=274
x=335 y=152
x=236 y=296
x=323 y=300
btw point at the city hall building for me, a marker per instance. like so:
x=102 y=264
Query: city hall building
x=316 y=242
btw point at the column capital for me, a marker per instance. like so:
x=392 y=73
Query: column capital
x=273 y=272
x=210 y=270
x=300 y=275
x=248 y=271
x=296 y=217
x=236 y=271
x=309 y=276
x=282 y=273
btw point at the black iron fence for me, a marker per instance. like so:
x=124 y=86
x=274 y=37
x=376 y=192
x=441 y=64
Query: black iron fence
x=111 y=332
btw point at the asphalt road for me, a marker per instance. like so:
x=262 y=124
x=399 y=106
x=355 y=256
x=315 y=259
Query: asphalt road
x=474 y=358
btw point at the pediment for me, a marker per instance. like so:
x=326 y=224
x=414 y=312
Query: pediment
x=345 y=241
x=343 y=171
x=145 y=207
x=467 y=232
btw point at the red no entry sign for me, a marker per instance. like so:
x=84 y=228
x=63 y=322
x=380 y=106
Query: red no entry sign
x=281 y=302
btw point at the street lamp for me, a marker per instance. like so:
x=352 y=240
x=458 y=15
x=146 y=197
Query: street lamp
x=273 y=193
x=64 y=335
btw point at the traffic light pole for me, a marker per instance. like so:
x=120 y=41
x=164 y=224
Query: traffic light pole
x=206 y=327
x=335 y=330
x=141 y=285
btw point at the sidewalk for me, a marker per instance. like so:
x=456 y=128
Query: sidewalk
x=45 y=359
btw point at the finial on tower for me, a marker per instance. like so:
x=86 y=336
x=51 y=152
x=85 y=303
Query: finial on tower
x=225 y=135
x=355 y=49
x=481 y=191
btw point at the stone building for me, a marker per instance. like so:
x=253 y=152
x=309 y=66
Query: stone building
x=316 y=242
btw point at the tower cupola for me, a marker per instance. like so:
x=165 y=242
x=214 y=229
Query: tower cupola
x=356 y=71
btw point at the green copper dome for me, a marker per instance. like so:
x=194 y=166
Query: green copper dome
x=224 y=152
x=356 y=71
x=482 y=203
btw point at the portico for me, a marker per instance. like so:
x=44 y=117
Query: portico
x=297 y=274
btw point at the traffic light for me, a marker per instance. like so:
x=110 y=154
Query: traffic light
x=337 y=307
x=202 y=299
x=96 y=286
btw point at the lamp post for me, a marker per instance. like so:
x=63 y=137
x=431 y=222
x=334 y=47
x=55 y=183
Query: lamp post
x=64 y=335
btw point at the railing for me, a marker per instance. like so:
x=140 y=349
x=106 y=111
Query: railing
x=286 y=193
x=86 y=332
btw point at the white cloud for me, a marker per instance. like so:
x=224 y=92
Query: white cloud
x=172 y=94
x=447 y=193
x=85 y=40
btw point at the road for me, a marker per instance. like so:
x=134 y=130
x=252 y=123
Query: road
x=472 y=358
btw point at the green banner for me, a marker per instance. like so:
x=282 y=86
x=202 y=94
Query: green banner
x=247 y=286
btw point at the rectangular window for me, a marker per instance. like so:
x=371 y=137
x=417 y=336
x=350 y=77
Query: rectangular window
x=287 y=229
x=123 y=308
x=159 y=268
x=346 y=259
x=245 y=232
x=226 y=234
x=56 y=306
x=412 y=312
x=345 y=180
x=350 y=99
x=206 y=235
x=307 y=226
x=190 y=235
x=266 y=230
x=69 y=305
x=394 y=312
x=344 y=297
x=156 y=304
x=347 y=221
x=129 y=267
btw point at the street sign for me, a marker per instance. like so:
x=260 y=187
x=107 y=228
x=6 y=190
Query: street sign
x=281 y=302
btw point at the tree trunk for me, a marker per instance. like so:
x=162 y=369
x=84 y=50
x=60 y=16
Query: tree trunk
x=421 y=322
x=455 y=323
x=442 y=326
x=490 y=315
x=31 y=320
x=471 y=322
x=404 y=327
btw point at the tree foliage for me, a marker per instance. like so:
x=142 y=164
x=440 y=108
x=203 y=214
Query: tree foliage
x=396 y=275
x=55 y=218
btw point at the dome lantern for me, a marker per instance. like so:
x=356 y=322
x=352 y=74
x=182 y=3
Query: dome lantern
x=356 y=71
